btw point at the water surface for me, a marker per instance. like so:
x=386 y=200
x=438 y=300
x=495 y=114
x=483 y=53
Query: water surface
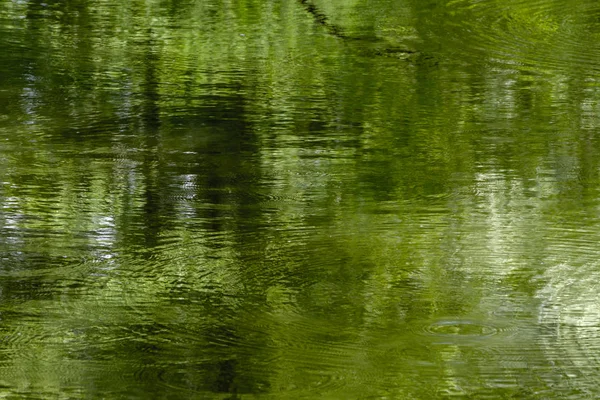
x=299 y=199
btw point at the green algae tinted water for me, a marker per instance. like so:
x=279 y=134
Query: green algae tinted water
x=299 y=199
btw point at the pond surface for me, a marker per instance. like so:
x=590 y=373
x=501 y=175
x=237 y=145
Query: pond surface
x=300 y=199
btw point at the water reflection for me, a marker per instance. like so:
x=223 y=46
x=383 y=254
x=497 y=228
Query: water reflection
x=305 y=199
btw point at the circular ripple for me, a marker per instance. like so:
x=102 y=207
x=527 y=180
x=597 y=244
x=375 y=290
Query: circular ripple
x=569 y=316
x=538 y=35
x=457 y=328
x=464 y=328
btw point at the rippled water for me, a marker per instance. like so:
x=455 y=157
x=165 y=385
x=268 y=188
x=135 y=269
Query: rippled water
x=299 y=199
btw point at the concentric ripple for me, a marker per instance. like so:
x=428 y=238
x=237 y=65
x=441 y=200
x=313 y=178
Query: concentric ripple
x=458 y=327
x=570 y=316
x=535 y=35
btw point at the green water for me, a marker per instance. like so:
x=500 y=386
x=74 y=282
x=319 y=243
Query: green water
x=293 y=199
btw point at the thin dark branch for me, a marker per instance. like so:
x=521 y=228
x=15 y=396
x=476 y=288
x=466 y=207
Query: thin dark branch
x=322 y=19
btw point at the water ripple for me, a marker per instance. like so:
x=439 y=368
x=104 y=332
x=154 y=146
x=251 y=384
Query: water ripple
x=536 y=35
x=463 y=328
x=571 y=321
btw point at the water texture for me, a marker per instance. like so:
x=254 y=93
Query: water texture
x=299 y=199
